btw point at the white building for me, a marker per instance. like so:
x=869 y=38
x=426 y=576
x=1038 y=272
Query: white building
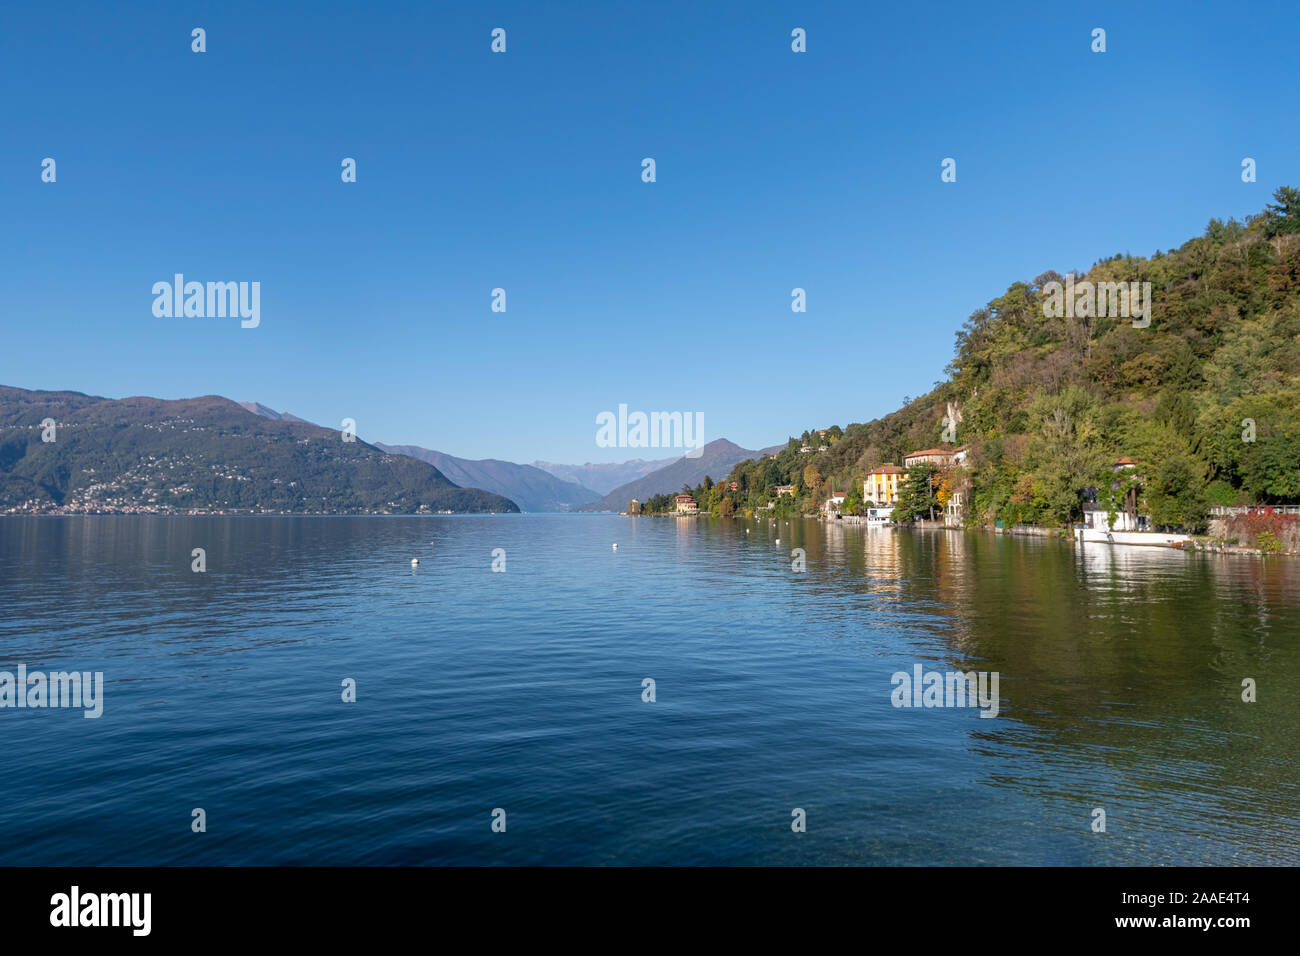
x=1097 y=518
x=880 y=516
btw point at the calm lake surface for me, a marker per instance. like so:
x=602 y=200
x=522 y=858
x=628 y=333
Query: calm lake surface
x=1120 y=681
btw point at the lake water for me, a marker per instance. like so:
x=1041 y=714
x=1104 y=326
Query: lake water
x=1120 y=688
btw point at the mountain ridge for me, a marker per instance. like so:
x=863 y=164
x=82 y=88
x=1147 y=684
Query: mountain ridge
x=200 y=455
x=533 y=489
x=603 y=478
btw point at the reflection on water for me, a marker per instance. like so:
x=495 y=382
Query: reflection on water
x=1121 y=674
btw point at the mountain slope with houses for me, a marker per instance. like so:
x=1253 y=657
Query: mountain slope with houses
x=64 y=452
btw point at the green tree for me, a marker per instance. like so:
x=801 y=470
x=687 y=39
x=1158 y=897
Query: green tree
x=1066 y=455
x=853 y=504
x=1271 y=468
x=1176 y=494
x=1283 y=216
x=918 y=493
x=1220 y=232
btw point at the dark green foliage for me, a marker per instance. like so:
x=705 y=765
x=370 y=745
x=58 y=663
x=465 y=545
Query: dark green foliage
x=917 y=494
x=1177 y=495
x=1283 y=215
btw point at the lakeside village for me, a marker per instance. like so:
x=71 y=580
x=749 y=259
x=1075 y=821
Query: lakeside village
x=932 y=489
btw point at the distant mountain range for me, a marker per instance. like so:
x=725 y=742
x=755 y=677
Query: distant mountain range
x=202 y=454
x=531 y=488
x=214 y=454
x=718 y=458
x=549 y=486
x=603 y=478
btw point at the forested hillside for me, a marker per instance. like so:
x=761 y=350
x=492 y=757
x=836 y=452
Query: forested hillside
x=1204 y=398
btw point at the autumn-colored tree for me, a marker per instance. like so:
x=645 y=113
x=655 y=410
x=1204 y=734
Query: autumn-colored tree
x=948 y=479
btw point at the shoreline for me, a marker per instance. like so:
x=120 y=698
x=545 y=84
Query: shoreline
x=1174 y=541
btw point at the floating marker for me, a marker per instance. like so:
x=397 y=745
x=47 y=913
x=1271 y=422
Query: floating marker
x=415 y=562
x=615 y=545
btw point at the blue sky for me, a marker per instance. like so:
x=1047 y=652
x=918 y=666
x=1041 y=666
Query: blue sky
x=522 y=171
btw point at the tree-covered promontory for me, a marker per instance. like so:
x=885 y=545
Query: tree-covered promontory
x=1204 y=398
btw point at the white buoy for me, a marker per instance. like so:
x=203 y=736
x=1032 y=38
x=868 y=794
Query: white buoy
x=615 y=545
x=415 y=562
x=778 y=540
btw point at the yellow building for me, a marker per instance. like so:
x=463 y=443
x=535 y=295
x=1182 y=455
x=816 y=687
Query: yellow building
x=881 y=485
